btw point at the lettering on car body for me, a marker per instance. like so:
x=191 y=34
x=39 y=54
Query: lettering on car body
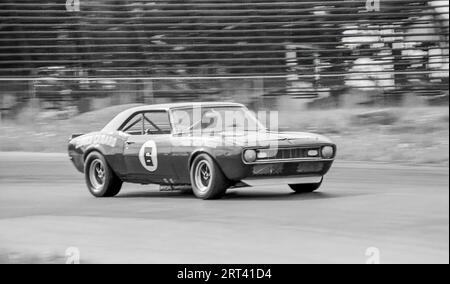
x=96 y=139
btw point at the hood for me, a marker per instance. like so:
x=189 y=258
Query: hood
x=266 y=139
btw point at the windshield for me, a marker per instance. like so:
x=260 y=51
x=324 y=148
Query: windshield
x=215 y=119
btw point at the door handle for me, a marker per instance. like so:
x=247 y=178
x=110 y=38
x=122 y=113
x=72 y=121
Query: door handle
x=130 y=142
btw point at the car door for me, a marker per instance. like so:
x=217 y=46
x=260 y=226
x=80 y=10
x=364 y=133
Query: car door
x=147 y=148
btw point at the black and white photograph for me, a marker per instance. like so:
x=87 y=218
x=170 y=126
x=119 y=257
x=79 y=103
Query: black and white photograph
x=224 y=139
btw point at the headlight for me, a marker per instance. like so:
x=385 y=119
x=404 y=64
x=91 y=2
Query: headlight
x=327 y=152
x=250 y=156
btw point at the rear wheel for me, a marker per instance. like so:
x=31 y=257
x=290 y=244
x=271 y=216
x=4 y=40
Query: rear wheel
x=305 y=188
x=100 y=179
x=208 y=181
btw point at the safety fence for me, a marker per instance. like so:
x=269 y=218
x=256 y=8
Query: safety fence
x=91 y=53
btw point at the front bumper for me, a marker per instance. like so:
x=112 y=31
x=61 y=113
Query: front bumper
x=283 y=180
x=235 y=170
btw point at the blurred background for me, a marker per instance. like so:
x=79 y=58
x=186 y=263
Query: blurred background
x=373 y=75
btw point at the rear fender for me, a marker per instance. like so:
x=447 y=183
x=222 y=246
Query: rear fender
x=109 y=145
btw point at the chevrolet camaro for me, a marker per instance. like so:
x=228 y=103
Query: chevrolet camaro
x=205 y=148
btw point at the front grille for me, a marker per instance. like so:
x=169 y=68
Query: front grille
x=288 y=154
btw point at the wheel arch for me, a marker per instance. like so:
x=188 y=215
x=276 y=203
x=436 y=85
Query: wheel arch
x=199 y=152
x=90 y=151
x=101 y=152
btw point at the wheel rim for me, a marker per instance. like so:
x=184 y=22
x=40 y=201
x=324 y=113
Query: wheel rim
x=97 y=175
x=203 y=176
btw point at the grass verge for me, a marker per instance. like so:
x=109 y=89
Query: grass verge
x=394 y=135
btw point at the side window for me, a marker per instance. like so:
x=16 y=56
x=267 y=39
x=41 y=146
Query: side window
x=157 y=123
x=135 y=125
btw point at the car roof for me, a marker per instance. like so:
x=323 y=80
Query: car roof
x=182 y=105
x=117 y=121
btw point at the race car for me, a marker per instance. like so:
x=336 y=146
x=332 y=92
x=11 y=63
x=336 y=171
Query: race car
x=203 y=147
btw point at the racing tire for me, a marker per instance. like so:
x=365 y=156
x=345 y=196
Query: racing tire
x=100 y=178
x=207 y=179
x=306 y=188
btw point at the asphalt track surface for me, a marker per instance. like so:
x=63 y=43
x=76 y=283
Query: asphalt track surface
x=403 y=211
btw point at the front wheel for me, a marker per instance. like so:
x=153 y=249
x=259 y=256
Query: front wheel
x=305 y=188
x=208 y=181
x=100 y=178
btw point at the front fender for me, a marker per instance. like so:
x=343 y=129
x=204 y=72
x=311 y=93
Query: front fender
x=229 y=159
x=197 y=152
